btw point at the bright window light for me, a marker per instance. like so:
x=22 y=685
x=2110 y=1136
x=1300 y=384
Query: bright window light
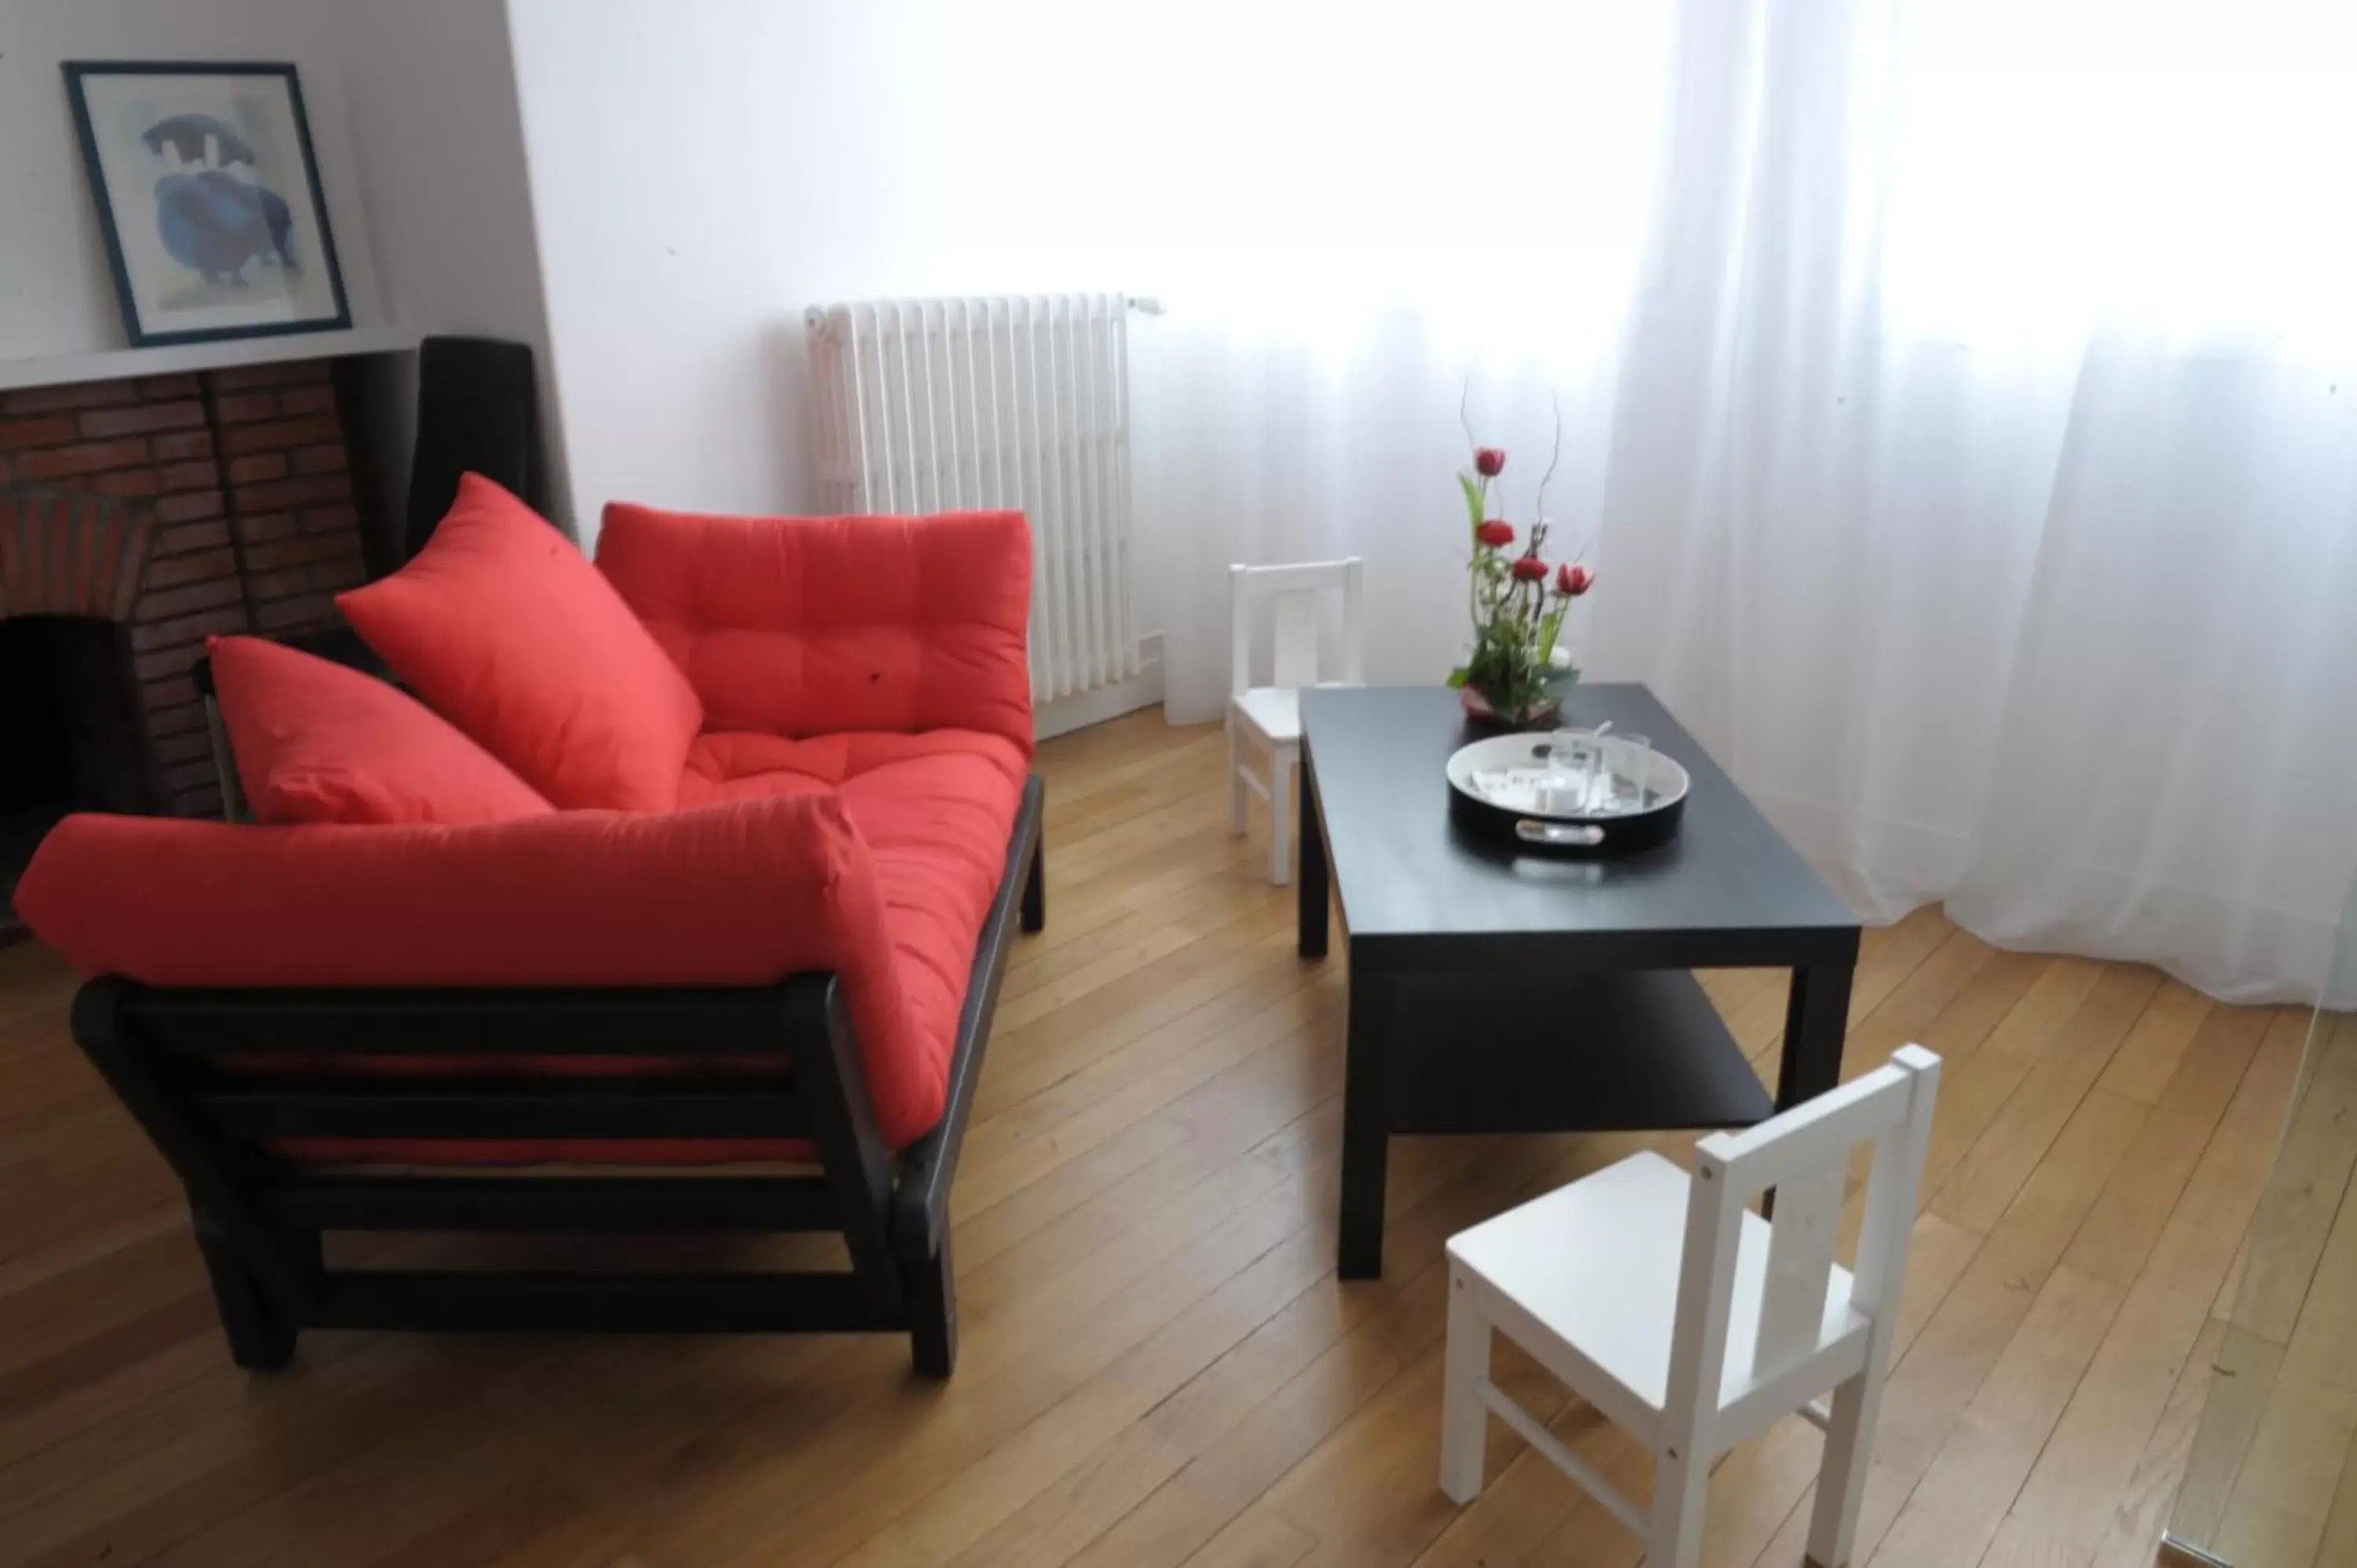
x=2182 y=170
x=1302 y=167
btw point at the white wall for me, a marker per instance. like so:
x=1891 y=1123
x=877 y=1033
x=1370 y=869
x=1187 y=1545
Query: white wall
x=703 y=169
x=55 y=294
x=441 y=163
x=412 y=113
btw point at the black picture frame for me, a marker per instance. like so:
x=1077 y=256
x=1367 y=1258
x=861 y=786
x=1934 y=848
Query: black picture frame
x=137 y=328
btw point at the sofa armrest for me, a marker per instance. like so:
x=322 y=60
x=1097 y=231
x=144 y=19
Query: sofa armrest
x=799 y=627
x=743 y=893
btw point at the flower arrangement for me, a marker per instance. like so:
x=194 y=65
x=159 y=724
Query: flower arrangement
x=1519 y=602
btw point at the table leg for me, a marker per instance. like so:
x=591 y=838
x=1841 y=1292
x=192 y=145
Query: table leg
x=1368 y=1089
x=1310 y=877
x=1816 y=1019
x=1817 y=1022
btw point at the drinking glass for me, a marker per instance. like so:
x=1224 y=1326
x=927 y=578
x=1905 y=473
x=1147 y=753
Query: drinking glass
x=1635 y=766
x=1575 y=760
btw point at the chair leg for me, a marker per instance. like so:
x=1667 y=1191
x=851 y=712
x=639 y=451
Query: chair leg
x=1464 y=1419
x=1280 y=814
x=1681 y=1484
x=1035 y=888
x=261 y=1335
x=1235 y=780
x=931 y=1293
x=1841 y=1479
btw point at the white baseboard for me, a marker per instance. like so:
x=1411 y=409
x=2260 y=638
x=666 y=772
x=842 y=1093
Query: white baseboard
x=1142 y=690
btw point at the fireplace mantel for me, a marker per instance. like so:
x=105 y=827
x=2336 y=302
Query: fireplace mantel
x=63 y=370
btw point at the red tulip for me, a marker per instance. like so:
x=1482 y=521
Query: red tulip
x=1497 y=534
x=1490 y=461
x=1530 y=569
x=1572 y=580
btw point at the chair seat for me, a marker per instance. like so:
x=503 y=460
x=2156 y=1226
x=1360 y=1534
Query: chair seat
x=1274 y=713
x=1595 y=1266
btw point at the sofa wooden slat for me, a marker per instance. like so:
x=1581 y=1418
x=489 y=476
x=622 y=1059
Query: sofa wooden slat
x=475 y=1107
x=684 y=1202
x=459 y=1020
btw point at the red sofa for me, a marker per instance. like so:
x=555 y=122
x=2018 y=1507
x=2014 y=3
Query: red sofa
x=787 y=960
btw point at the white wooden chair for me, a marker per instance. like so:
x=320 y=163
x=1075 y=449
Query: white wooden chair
x=1269 y=717
x=1693 y=1323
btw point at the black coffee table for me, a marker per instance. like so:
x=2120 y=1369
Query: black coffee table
x=1495 y=992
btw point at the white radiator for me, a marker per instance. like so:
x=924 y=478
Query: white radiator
x=928 y=405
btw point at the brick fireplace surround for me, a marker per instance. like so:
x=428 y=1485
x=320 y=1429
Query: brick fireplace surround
x=245 y=475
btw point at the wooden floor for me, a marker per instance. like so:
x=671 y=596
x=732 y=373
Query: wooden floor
x=2273 y=1479
x=1159 y=1367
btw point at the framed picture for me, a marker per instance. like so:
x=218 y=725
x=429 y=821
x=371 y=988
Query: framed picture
x=208 y=198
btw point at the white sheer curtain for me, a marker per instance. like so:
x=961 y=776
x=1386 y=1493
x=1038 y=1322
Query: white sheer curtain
x=1356 y=213
x=1963 y=394
x=1984 y=484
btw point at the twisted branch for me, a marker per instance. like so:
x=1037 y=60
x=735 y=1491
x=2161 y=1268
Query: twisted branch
x=1538 y=504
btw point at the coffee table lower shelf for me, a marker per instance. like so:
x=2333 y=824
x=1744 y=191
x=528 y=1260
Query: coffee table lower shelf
x=1600 y=1051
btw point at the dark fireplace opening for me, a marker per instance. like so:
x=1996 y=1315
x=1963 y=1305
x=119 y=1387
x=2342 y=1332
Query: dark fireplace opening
x=75 y=737
x=141 y=516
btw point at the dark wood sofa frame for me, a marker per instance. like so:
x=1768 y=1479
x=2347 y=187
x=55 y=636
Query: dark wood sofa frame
x=259 y=1219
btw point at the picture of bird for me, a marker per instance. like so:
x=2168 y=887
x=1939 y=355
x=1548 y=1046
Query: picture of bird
x=213 y=214
x=197 y=139
x=210 y=202
x=214 y=223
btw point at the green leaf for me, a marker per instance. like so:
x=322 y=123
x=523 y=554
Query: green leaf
x=1457 y=677
x=1473 y=506
x=1547 y=629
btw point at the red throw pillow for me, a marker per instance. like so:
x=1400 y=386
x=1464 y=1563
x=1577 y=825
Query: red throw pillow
x=509 y=633
x=319 y=743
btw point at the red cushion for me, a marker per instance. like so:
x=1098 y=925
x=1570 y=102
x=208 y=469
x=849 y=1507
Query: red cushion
x=935 y=810
x=801 y=626
x=503 y=628
x=316 y=742
x=739 y=893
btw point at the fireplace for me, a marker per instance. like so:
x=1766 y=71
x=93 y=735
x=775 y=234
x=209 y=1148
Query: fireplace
x=137 y=518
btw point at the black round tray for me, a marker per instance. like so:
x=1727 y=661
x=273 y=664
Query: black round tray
x=1650 y=788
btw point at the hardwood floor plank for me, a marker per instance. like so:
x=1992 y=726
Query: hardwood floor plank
x=2338 y=1544
x=2142 y=1511
x=2304 y=1192
x=2283 y=1496
x=2095 y=1453
x=1209 y=889
x=1273 y=1427
x=1130 y=1350
x=1104 y=1482
x=1977 y=1192
x=2242 y=1386
x=1954 y=1512
x=524 y=1509
x=2115 y=1239
x=2146 y=1060
x=1933 y=1384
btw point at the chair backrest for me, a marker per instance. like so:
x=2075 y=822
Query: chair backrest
x=1804 y=1154
x=1295 y=590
